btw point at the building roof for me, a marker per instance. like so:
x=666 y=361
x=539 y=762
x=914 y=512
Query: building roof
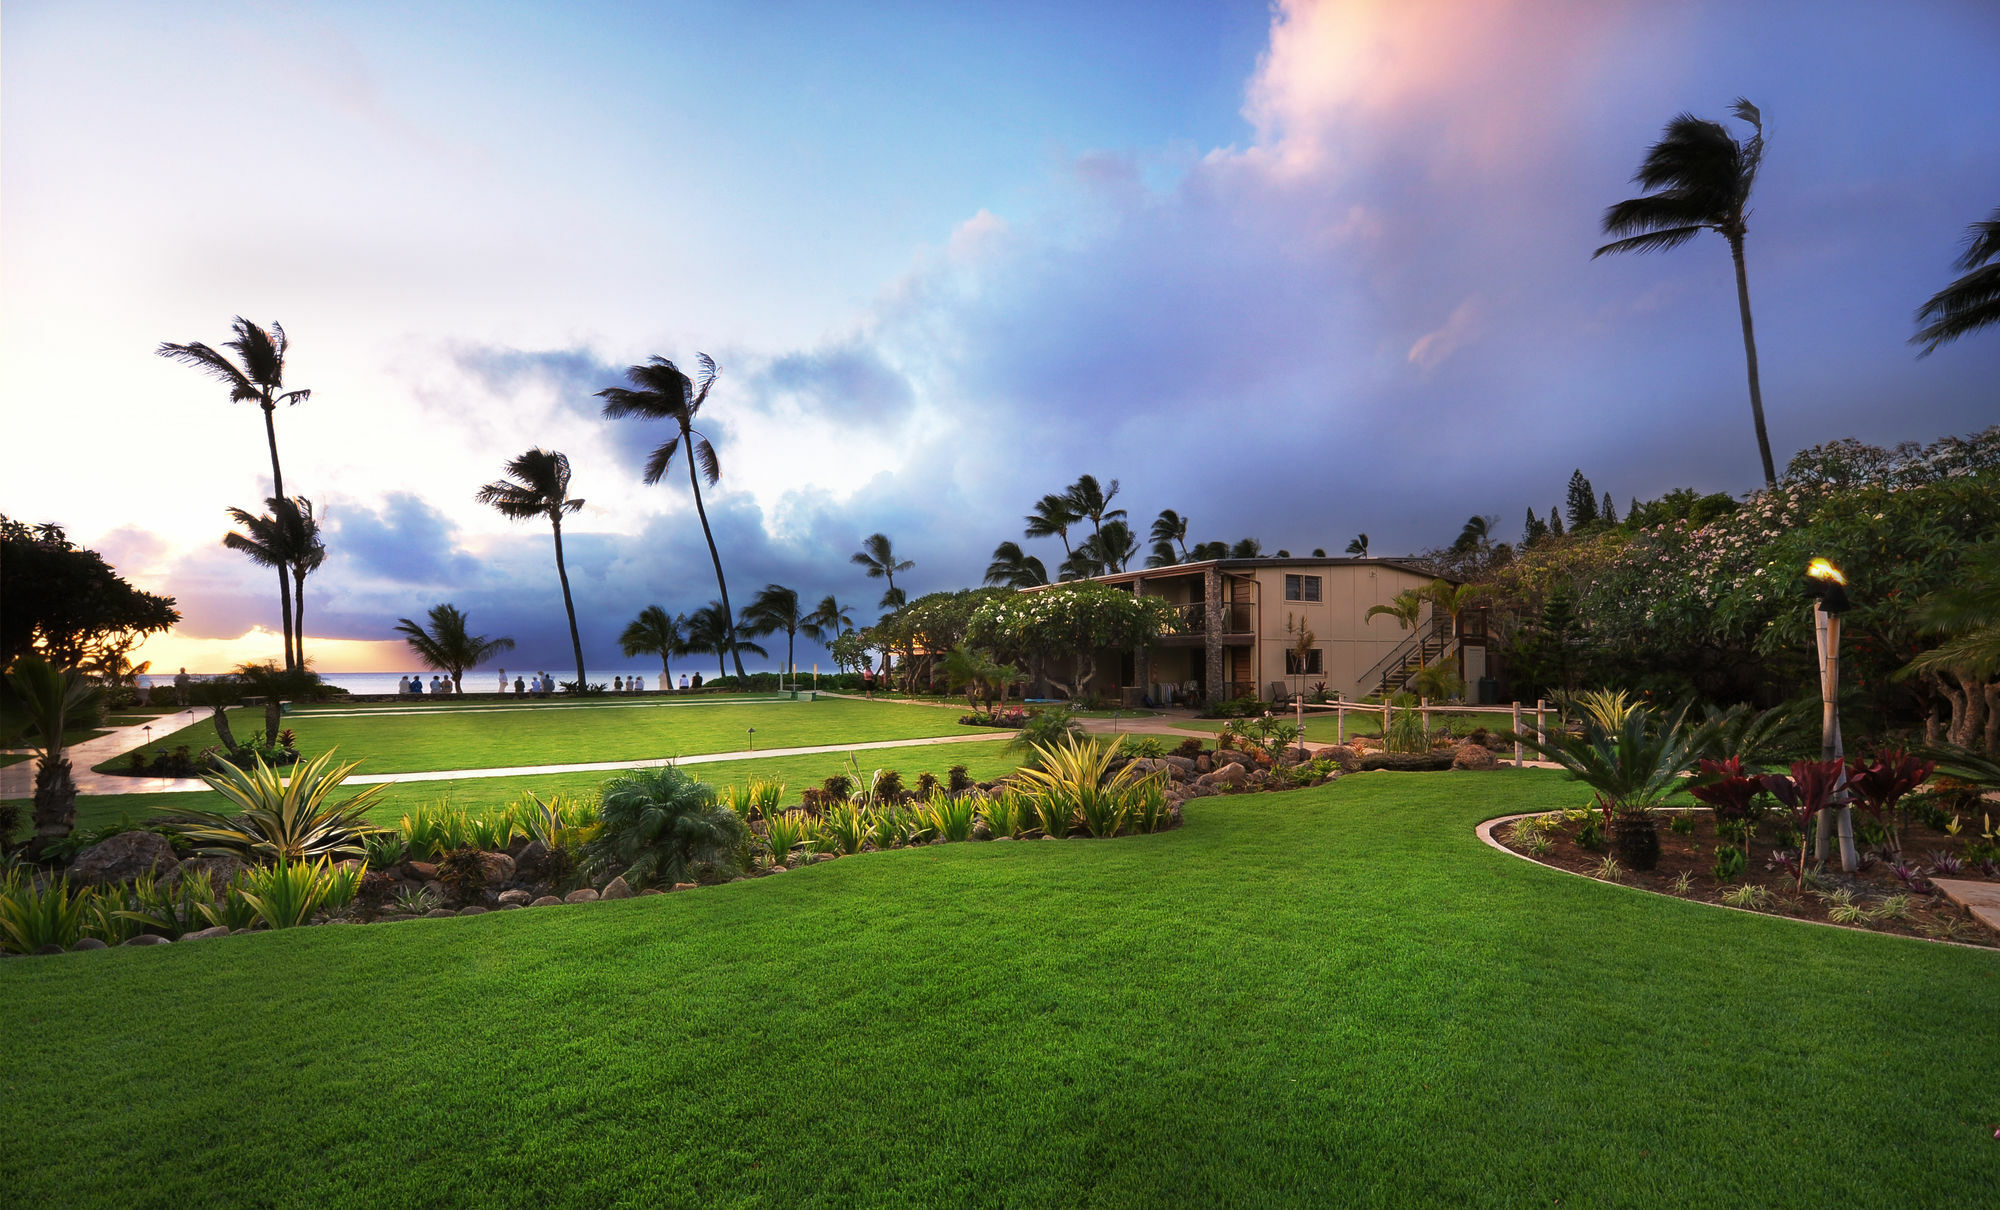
x=1181 y=569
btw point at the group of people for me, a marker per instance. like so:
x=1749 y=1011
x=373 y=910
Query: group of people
x=636 y=684
x=540 y=685
x=415 y=685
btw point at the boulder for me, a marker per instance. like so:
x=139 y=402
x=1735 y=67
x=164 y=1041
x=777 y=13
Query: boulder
x=221 y=872
x=148 y=939
x=617 y=888
x=419 y=871
x=651 y=890
x=1258 y=777
x=53 y=948
x=439 y=913
x=1232 y=775
x=545 y=901
x=1346 y=757
x=1203 y=764
x=437 y=888
x=93 y=943
x=980 y=830
x=515 y=898
x=123 y=857
x=1233 y=756
x=528 y=862
x=499 y=867
x=393 y=917
x=581 y=895
x=686 y=886
x=1474 y=756
x=510 y=907
x=1181 y=765
x=472 y=911
x=220 y=930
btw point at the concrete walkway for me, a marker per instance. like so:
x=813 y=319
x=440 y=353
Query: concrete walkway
x=18 y=780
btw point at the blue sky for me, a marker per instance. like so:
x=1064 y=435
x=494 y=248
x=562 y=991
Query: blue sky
x=1297 y=272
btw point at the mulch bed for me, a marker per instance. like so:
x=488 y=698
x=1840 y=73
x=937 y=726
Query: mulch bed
x=1930 y=915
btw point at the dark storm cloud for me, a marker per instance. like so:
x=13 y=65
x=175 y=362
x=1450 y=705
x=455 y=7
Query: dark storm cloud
x=406 y=541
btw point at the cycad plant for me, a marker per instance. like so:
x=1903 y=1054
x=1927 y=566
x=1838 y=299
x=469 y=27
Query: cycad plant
x=279 y=820
x=659 y=825
x=1633 y=768
x=49 y=699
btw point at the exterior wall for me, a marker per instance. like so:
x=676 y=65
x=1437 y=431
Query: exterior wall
x=1351 y=641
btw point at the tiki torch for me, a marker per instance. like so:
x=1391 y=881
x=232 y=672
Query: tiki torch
x=1828 y=588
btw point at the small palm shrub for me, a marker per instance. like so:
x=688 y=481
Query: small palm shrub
x=290 y=893
x=32 y=918
x=951 y=819
x=659 y=824
x=785 y=831
x=279 y=820
x=1044 y=728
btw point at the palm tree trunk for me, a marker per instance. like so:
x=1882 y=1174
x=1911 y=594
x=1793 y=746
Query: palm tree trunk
x=1750 y=358
x=271 y=436
x=666 y=672
x=299 y=616
x=562 y=573
x=791 y=669
x=728 y=618
x=55 y=797
x=285 y=613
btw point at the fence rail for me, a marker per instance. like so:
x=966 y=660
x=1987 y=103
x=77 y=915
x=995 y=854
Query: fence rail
x=1515 y=711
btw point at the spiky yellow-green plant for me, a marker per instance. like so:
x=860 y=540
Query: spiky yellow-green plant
x=279 y=819
x=1074 y=785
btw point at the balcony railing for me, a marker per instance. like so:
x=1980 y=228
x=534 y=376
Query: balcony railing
x=1192 y=619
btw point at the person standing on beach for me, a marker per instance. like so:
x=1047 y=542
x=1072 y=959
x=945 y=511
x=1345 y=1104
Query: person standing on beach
x=181 y=686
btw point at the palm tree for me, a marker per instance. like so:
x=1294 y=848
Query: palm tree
x=279 y=539
x=656 y=632
x=775 y=608
x=880 y=559
x=1169 y=528
x=1477 y=536
x=1093 y=502
x=448 y=645
x=1013 y=567
x=260 y=378
x=1115 y=544
x=1406 y=606
x=710 y=629
x=1699 y=179
x=1359 y=546
x=295 y=517
x=49 y=699
x=661 y=392
x=1205 y=551
x=827 y=622
x=1971 y=302
x=1053 y=515
x=1248 y=548
x=537 y=486
x=1082 y=563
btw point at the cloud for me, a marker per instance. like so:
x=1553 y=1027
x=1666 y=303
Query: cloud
x=406 y=541
x=1434 y=346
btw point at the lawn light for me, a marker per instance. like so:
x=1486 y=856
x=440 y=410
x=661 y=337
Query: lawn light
x=1828 y=588
x=753 y=739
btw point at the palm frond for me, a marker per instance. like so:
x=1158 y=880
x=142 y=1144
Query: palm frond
x=658 y=462
x=1652 y=241
x=1966 y=305
x=705 y=460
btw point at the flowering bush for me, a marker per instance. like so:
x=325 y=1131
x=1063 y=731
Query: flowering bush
x=1073 y=620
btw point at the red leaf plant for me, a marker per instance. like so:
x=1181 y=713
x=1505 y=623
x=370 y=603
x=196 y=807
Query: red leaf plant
x=1878 y=786
x=1728 y=791
x=1813 y=786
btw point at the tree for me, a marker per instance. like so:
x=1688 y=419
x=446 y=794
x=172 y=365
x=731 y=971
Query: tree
x=1052 y=517
x=287 y=538
x=49 y=698
x=1169 y=529
x=661 y=392
x=1092 y=502
x=275 y=685
x=1113 y=546
x=1406 y=607
x=1699 y=178
x=449 y=644
x=1555 y=521
x=66 y=602
x=260 y=379
x=1606 y=513
x=974 y=670
x=656 y=632
x=538 y=486
x=775 y=608
x=1247 y=548
x=1359 y=546
x=1582 y=503
x=1206 y=551
x=1476 y=536
x=1965 y=612
x=879 y=557
x=1971 y=302
x=1073 y=620
x=1014 y=568
x=1534 y=530
x=1082 y=563
x=710 y=629
x=297 y=516
x=827 y=622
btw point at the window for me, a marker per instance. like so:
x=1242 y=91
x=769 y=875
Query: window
x=1312 y=665
x=1302 y=588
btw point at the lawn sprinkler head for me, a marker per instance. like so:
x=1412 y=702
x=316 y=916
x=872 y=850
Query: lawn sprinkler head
x=1827 y=585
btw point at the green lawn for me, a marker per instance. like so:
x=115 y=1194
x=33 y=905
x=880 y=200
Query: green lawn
x=438 y=737
x=983 y=760
x=1330 y=997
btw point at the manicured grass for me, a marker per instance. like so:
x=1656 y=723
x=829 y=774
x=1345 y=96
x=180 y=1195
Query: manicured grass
x=984 y=761
x=1329 y=997
x=556 y=733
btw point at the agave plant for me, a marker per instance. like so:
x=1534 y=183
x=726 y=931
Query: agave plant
x=280 y=820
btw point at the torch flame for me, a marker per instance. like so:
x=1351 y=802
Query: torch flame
x=1823 y=569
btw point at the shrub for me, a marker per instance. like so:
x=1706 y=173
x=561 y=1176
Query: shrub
x=1405 y=732
x=1008 y=812
x=31 y=918
x=950 y=818
x=278 y=820
x=385 y=849
x=785 y=831
x=659 y=824
x=888 y=786
x=1072 y=785
x=1402 y=762
x=958 y=780
x=843 y=829
x=1729 y=863
x=1189 y=749
x=1148 y=747
x=558 y=821
x=893 y=825
x=837 y=787
x=463 y=873
x=1044 y=728
x=287 y=895
x=928 y=786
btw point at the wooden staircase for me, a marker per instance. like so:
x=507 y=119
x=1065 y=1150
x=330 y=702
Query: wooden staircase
x=1428 y=643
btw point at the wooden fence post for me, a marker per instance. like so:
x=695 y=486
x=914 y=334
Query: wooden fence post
x=1339 y=719
x=1424 y=713
x=1541 y=733
x=1517 y=735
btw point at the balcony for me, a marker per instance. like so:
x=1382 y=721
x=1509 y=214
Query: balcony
x=1188 y=625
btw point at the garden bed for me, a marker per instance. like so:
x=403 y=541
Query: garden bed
x=1877 y=897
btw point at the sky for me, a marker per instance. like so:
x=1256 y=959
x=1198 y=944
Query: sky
x=1296 y=271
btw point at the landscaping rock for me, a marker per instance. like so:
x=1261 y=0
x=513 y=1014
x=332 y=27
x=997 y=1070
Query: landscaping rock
x=393 y=917
x=1202 y=764
x=437 y=888
x=651 y=890
x=123 y=857
x=93 y=943
x=1232 y=775
x=1474 y=756
x=472 y=911
x=546 y=901
x=686 y=886
x=618 y=888
x=528 y=862
x=53 y=948
x=439 y=913
x=581 y=895
x=499 y=867
x=220 y=930
x=221 y=872
x=1258 y=777
x=1236 y=756
x=148 y=939
x=980 y=831
x=510 y=907
x=1181 y=765
x=515 y=898
x=418 y=871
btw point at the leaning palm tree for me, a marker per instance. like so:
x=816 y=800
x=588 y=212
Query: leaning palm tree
x=771 y=610
x=295 y=517
x=1092 y=502
x=1699 y=179
x=1116 y=544
x=1169 y=529
x=1053 y=515
x=1359 y=546
x=538 y=486
x=1406 y=607
x=449 y=645
x=1246 y=548
x=1013 y=567
x=660 y=391
x=711 y=629
x=1971 y=302
x=656 y=632
x=259 y=379
x=49 y=699
x=827 y=622
x=276 y=539
x=879 y=557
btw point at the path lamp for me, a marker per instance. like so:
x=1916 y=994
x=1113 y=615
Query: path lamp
x=1828 y=588
x=753 y=739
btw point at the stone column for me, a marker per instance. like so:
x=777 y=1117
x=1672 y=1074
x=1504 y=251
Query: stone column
x=1212 y=631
